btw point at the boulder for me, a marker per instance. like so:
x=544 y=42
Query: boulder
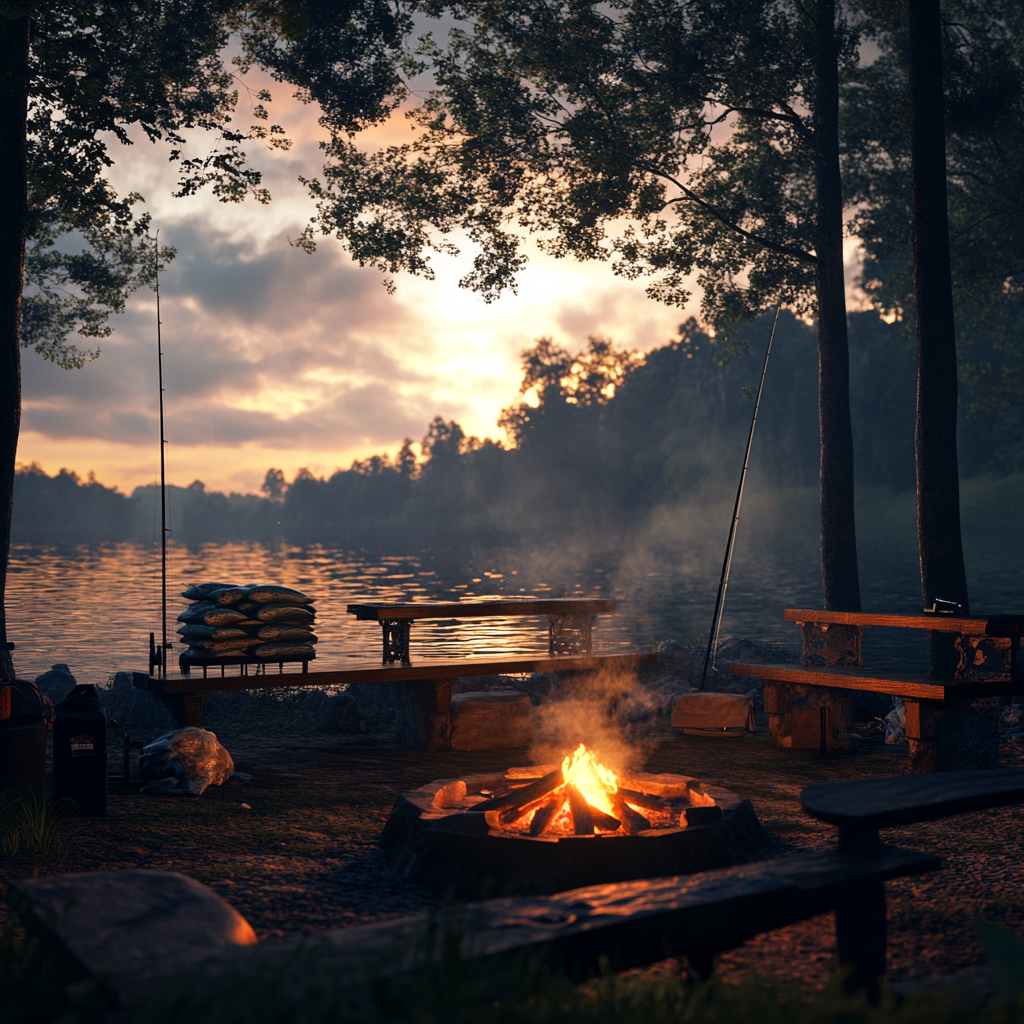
x=121 y=683
x=491 y=718
x=132 y=928
x=339 y=714
x=184 y=761
x=312 y=699
x=147 y=715
x=57 y=683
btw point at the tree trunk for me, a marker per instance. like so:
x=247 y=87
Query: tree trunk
x=839 y=575
x=14 y=37
x=938 y=485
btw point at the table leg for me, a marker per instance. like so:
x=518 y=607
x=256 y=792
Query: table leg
x=395 y=640
x=570 y=634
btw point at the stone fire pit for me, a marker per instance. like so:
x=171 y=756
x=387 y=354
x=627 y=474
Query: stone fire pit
x=438 y=838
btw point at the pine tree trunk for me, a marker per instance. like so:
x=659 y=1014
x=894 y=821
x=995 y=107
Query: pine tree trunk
x=839 y=575
x=13 y=220
x=938 y=485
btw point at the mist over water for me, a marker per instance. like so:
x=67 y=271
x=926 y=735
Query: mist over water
x=93 y=607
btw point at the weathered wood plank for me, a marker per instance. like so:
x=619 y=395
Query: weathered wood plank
x=897 y=683
x=428 y=668
x=481 y=609
x=939 y=623
x=632 y=923
x=905 y=799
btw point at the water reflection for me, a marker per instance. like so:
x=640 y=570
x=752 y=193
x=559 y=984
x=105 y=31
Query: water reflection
x=94 y=607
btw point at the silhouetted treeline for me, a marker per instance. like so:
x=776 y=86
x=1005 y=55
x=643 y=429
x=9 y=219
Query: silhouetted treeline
x=600 y=439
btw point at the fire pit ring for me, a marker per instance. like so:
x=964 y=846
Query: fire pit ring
x=436 y=838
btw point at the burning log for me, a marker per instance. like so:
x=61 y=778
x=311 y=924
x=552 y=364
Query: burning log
x=605 y=822
x=652 y=803
x=525 y=794
x=545 y=813
x=582 y=819
x=632 y=821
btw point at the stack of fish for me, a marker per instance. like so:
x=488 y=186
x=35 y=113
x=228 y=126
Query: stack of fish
x=261 y=620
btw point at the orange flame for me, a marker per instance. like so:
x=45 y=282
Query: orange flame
x=593 y=780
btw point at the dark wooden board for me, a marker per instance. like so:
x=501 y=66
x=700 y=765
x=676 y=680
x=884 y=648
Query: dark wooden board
x=897 y=683
x=940 y=623
x=904 y=799
x=481 y=609
x=631 y=923
x=429 y=668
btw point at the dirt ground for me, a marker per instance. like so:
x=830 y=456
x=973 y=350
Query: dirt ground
x=303 y=855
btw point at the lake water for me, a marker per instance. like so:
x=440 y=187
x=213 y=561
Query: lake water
x=93 y=607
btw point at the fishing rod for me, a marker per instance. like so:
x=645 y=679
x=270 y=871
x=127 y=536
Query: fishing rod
x=163 y=479
x=723 y=585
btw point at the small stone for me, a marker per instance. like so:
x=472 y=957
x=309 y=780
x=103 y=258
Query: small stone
x=896 y=725
x=339 y=714
x=1010 y=718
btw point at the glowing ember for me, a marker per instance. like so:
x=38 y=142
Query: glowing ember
x=593 y=780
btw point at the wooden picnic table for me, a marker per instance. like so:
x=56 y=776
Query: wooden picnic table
x=939 y=712
x=570 y=620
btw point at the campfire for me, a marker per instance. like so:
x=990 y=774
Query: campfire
x=582 y=798
x=548 y=828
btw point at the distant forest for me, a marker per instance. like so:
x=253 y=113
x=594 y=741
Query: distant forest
x=600 y=440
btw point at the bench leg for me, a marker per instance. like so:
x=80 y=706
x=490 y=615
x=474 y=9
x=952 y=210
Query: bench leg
x=425 y=714
x=953 y=735
x=193 y=708
x=860 y=938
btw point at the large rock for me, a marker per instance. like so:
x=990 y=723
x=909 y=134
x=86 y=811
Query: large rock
x=338 y=714
x=147 y=715
x=57 y=683
x=184 y=761
x=491 y=718
x=132 y=927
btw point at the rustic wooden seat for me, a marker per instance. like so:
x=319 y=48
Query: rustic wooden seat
x=424 y=695
x=629 y=923
x=570 y=620
x=831 y=658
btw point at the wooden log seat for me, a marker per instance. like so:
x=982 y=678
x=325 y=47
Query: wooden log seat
x=623 y=924
x=484 y=719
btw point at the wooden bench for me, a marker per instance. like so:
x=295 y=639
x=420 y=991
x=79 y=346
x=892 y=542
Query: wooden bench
x=629 y=923
x=424 y=689
x=570 y=620
x=947 y=720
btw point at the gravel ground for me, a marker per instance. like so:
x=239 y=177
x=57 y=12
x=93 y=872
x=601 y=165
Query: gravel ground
x=303 y=856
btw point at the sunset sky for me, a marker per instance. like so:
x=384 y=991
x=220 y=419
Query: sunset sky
x=277 y=358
